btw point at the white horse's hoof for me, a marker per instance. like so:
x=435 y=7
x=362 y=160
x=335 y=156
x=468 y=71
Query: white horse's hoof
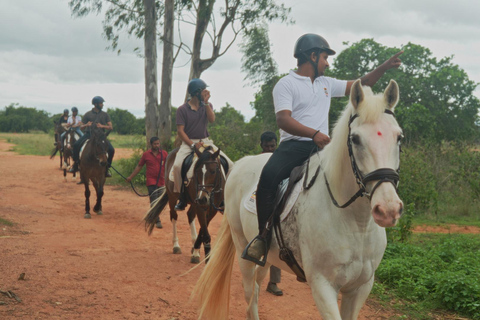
x=87 y=216
x=195 y=260
x=177 y=250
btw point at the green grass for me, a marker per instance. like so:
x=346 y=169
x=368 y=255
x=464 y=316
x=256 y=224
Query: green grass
x=127 y=141
x=438 y=220
x=5 y=222
x=34 y=143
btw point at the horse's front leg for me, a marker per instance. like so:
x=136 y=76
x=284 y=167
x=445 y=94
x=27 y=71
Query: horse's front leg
x=191 y=223
x=87 y=199
x=173 y=218
x=352 y=301
x=99 y=190
x=325 y=296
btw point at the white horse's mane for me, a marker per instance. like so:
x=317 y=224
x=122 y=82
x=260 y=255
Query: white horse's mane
x=334 y=157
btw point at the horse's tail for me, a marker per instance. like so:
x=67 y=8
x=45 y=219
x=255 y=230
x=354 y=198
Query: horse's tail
x=213 y=286
x=54 y=152
x=155 y=210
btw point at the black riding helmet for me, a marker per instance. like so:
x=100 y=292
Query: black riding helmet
x=97 y=100
x=195 y=87
x=311 y=41
x=65 y=111
x=74 y=109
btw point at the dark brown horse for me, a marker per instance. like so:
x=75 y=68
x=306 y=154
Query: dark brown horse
x=93 y=165
x=59 y=129
x=204 y=194
x=68 y=141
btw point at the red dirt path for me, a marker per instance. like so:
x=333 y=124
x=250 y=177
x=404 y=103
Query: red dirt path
x=106 y=267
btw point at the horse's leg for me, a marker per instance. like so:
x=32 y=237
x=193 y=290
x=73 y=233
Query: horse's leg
x=250 y=287
x=195 y=258
x=325 y=296
x=99 y=189
x=64 y=174
x=203 y=236
x=87 y=197
x=193 y=227
x=352 y=301
x=173 y=218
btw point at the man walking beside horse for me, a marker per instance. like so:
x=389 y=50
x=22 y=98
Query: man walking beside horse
x=100 y=119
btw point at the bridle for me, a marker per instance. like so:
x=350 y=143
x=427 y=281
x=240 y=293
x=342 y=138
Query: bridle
x=382 y=175
x=216 y=185
x=98 y=142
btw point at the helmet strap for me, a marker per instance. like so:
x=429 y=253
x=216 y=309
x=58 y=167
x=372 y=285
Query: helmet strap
x=315 y=64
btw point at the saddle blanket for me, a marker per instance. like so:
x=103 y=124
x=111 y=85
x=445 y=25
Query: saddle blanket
x=250 y=203
x=192 y=166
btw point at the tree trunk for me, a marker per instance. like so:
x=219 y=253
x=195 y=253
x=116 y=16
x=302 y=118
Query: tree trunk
x=164 y=120
x=151 y=86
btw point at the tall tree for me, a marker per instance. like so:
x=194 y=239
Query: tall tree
x=234 y=17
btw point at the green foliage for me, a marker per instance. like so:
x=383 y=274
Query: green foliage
x=437 y=270
x=257 y=61
x=436 y=101
x=6 y=222
x=263 y=105
x=33 y=143
x=125 y=123
x=15 y=118
x=403 y=230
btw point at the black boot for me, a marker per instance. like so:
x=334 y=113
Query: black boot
x=74 y=168
x=108 y=174
x=257 y=250
x=182 y=201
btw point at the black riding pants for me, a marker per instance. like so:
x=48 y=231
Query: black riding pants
x=78 y=145
x=288 y=155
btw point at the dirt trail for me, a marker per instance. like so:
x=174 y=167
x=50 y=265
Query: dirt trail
x=106 y=267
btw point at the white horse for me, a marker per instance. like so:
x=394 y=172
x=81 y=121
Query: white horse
x=339 y=249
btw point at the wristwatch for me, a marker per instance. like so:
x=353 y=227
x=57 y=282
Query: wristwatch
x=193 y=145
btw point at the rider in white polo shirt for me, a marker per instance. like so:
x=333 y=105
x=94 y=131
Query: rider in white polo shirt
x=302 y=102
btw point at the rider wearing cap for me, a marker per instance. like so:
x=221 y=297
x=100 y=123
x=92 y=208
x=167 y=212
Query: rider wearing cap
x=98 y=118
x=192 y=120
x=302 y=102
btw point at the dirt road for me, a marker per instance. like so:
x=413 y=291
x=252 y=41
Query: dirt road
x=106 y=267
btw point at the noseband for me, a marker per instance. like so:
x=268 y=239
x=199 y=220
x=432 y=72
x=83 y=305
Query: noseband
x=382 y=174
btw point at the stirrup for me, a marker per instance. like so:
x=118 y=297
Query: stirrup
x=253 y=246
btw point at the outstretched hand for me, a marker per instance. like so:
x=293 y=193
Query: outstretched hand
x=394 y=61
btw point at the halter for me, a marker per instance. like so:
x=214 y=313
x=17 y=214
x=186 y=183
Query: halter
x=382 y=174
x=217 y=183
x=98 y=141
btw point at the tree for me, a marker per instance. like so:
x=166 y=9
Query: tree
x=123 y=121
x=236 y=16
x=436 y=101
x=17 y=118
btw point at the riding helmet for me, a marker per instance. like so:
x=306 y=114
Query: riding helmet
x=311 y=41
x=65 y=110
x=196 y=85
x=97 y=100
x=74 y=109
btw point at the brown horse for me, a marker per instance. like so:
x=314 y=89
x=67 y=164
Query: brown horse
x=59 y=129
x=68 y=141
x=93 y=165
x=204 y=194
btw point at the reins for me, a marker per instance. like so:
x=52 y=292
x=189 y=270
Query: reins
x=202 y=187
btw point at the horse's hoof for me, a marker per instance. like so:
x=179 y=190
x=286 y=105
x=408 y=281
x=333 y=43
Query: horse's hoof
x=177 y=250
x=195 y=260
x=99 y=212
x=87 y=216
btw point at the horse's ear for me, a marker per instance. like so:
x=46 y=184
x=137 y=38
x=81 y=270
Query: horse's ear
x=392 y=94
x=356 y=93
x=197 y=152
x=215 y=155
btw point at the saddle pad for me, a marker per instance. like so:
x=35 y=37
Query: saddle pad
x=250 y=203
x=190 y=170
x=83 y=147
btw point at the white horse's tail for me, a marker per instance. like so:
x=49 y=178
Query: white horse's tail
x=213 y=286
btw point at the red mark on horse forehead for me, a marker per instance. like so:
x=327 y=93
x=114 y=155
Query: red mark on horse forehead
x=379 y=133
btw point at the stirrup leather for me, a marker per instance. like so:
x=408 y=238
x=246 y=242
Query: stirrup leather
x=261 y=262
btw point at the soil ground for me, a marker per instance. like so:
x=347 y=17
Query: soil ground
x=107 y=267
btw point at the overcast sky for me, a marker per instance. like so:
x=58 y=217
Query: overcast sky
x=52 y=61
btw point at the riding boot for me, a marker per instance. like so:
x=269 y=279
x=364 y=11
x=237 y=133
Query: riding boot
x=257 y=250
x=182 y=200
x=74 y=168
x=108 y=174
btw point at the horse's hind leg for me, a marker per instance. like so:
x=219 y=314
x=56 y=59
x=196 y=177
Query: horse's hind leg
x=251 y=285
x=99 y=190
x=173 y=218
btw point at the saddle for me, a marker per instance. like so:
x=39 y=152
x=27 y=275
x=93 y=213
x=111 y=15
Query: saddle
x=189 y=160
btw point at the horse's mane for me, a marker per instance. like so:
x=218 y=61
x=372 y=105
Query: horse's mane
x=335 y=159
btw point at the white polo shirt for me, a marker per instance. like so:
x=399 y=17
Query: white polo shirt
x=309 y=102
x=77 y=120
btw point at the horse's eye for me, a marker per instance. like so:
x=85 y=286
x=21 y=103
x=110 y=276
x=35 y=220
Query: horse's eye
x=399 y=138
x=355 y=139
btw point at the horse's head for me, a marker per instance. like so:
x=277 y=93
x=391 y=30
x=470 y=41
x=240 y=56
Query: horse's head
x=69 y=138
x=99 y=144
x=207 y=175
x=374 y=148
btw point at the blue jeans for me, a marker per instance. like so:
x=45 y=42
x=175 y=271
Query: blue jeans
x=77 y=130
